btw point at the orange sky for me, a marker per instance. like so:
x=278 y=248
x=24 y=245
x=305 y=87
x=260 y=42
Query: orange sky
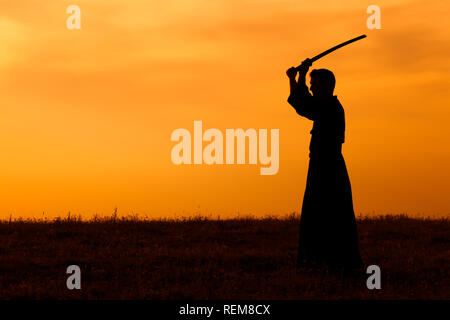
x=86 y=115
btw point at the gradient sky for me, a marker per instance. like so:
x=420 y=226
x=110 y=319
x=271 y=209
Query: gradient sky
x=86 y=115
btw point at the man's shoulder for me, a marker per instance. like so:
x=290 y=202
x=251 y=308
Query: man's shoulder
x=338 y=104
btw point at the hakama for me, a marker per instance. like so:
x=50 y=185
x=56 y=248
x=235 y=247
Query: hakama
x=328 y=234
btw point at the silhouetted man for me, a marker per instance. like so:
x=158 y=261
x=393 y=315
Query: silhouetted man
x=328 y=235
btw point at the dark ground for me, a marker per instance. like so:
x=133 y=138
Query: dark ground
x=215 y=259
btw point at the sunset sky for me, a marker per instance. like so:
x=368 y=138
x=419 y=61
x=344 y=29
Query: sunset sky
x=87 y=115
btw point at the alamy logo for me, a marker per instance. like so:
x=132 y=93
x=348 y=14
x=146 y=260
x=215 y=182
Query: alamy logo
x=374 y=20
x=74 y=280
x=73 y=22
x=374 y=281
x=213 y=153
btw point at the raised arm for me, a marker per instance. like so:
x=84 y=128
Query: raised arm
x=292 y=74
x=299 y=97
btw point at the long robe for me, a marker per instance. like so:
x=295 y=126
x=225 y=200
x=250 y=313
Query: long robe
x=328 y=234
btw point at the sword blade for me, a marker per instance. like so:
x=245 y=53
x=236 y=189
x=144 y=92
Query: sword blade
x=336 y=47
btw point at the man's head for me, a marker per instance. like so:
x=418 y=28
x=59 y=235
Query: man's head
x=322 y=82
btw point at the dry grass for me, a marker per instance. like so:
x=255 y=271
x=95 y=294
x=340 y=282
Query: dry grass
x=198 y=258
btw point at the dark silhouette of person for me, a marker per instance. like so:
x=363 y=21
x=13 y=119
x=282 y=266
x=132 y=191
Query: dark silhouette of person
x=328 y=235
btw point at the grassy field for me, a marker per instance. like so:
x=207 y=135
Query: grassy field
x=214 y=259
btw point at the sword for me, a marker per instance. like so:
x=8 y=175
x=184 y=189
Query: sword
x=334 y=48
